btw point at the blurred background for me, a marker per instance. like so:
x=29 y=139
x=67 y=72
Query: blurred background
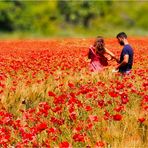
x=72 y=18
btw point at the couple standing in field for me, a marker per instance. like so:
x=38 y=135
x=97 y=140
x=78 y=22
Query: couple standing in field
x=98 y=59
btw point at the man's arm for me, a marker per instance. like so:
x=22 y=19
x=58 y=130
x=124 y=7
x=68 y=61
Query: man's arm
x=124 y=62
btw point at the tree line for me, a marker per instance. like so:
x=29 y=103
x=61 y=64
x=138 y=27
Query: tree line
x=52 y=16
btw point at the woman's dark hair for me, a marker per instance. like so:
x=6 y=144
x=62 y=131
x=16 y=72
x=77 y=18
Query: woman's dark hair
x=99 y=44
x=121 y=35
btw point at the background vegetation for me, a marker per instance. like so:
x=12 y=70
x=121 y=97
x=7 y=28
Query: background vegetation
x=71 y=18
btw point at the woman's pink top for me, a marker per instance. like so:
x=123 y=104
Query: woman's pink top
x=97 y=57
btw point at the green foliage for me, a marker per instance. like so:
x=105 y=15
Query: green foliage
x=52 y=17
x=28 y=16
x=7 y=15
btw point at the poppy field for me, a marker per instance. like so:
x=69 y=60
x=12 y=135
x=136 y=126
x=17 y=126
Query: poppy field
x=49 y=98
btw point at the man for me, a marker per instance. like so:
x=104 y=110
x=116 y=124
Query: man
x=126 y=56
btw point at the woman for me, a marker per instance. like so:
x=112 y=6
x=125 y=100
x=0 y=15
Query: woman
x=97 y=54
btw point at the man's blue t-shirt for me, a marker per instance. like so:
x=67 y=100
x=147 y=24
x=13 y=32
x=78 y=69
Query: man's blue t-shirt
x=127 y=50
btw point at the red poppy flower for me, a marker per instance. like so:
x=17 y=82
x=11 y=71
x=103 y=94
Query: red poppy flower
x=100 y=144
x=64 y=144
x=88 y=108
x=101 y=103
x=119 y=108
x=51 y=130
x=78 y=138
x=113 y=94
x=50 y=93
x=141 y=120
x=93 y=118
x=73 y=116
x=71 y=85
x=117 y=117
x=124 y=100
x=41 y=127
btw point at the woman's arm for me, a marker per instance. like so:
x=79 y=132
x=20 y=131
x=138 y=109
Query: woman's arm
x=111 y=54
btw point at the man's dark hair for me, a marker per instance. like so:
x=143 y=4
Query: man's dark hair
x=121 y=35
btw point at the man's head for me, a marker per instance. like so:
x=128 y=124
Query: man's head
x=121 y=38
